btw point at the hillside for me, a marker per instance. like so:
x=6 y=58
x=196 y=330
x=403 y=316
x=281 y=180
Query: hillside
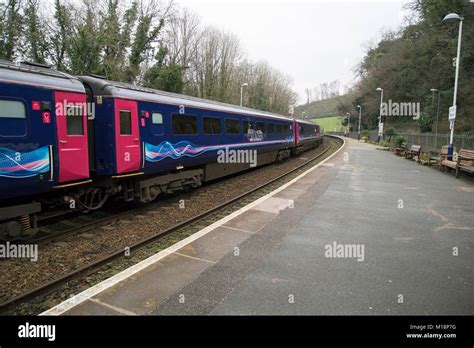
x=322 y=108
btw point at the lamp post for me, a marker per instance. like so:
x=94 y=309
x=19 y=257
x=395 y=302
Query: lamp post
x=348 y=124
x=291 y=111
x=454 y=17
x=360 y=116
x=380 y=134
x=437 y=115
x=242 y=91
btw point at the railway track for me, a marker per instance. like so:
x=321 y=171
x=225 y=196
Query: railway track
x=202 y=219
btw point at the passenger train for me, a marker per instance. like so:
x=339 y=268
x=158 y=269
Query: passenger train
x=77 y=141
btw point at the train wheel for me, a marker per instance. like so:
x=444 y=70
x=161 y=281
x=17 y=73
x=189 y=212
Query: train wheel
x=10 y=230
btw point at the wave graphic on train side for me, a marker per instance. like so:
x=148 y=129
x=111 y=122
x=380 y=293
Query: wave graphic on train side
x=19 y=165
x=165 y=149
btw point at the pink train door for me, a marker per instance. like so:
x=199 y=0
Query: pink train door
x=296 y=126
x=127 y=136
x=71 y=124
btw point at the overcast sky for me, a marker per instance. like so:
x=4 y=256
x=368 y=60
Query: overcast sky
x=313 y=41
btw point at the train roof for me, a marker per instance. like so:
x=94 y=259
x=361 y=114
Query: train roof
x=104 y=87
x=38 y=75
x=306 y=122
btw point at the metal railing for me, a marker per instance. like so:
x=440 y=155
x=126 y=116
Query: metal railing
x=429 y=142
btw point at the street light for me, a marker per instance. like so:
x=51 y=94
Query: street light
x=348 y=123
x=437 y=115
x=291 y=111
x=380 y=134
x=454 y=17
x=242 y=91
x=360 y=116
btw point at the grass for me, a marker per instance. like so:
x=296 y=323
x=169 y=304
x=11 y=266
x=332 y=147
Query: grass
x=323 y=108
x=330 y=124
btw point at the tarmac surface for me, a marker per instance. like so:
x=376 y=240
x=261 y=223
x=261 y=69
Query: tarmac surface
x=365 y=233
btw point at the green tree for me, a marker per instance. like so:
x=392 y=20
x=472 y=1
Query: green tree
x=144 y=36
x=61 y=33
x=10 y=29
x=110 y=40
x=409 y=62
x=85 y=48
x=35 y=35
x=165 y=77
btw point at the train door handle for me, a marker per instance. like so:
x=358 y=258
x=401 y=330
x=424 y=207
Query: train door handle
x=63 y=141
x=136 y=139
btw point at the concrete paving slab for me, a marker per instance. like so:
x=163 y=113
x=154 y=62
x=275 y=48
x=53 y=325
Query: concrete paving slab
x=216 y=244
x=251 y=221
x=143 y=292
x=300 y=186
x=290 y=194
x=91 y=307
x=273 y=205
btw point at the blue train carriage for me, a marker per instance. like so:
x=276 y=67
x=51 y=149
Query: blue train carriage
x=40 y=151
x=149 y=142
x=307 y=135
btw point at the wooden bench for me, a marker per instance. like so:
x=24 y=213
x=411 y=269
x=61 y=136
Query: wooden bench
x=445 y=163
x=443 y=155
x=413 y=152
x=465 y=161
x=402 y=150
x=429 y=158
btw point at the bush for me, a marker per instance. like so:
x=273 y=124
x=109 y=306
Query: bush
x=390 y=132
x=365 y=134
x=425 y=123
x=399 y=140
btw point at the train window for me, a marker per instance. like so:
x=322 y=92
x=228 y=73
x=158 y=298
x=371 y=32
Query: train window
x=278 y=128
x=157 y=118
x=12 y=118
x=286 y=128
x=125 y=122
x=261 y=127
x=247 y=125
x=270 y=128
x=212 y=125
x=232 y=126
x=74 y=120
x=184 y=124
x=307 y=130
x=12 y=109
x=156 y=127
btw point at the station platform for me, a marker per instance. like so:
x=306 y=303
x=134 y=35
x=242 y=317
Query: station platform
x=412 y=227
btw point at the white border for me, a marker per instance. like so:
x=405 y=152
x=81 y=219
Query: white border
x=104 y=285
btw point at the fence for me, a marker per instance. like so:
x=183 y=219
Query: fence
x=429 y=142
